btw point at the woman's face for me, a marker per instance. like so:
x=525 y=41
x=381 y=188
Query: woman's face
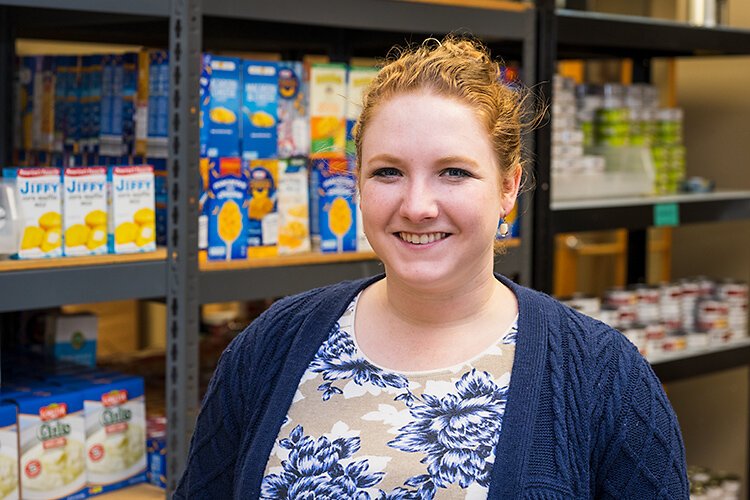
x=431 y=190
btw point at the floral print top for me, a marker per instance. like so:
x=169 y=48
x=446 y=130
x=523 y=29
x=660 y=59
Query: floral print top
x=358 y=431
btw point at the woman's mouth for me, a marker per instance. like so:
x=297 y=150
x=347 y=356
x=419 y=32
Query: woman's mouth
x=421 y=239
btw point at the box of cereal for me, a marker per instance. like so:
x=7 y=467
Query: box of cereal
x=39 y=194
x=8 y=453
x=85 y=210
x=293 y=123
x=52 y=438
x=328 y=110
x=132 y=218
x=263 y=215
x=227 y=205
x=334 y=192
x=115 y=415
x=293 y=200
x=260 y=83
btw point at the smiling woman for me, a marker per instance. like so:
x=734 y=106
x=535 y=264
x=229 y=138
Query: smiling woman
x=439 y=379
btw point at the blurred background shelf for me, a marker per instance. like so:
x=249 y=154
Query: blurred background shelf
x=696 y=362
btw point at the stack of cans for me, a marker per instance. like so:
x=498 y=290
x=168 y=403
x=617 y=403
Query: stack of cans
x=693 y=312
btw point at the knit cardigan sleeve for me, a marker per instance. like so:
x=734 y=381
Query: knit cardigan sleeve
x=638 y=448
x=214 y=446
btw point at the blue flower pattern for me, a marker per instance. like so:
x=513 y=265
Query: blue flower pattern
x=456 y=433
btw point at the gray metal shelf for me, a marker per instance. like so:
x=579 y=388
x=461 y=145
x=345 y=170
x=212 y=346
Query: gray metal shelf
x=38 y=288
x=696 y=362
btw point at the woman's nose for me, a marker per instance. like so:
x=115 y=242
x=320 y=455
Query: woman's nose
x=419 y=202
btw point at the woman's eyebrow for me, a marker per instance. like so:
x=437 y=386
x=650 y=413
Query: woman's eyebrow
x=385 y=158
x=452 y=160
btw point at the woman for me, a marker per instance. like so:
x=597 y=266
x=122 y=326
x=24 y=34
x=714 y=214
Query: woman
x=440 y=379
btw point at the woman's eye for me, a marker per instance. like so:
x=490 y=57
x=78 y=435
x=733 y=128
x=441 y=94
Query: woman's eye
x=456 y=172
x=386 y=172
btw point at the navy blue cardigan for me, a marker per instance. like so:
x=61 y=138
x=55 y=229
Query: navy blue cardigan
x=586 y=416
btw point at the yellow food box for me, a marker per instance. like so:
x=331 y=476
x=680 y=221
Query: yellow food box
x=328 y=110
x=293 y=205
x=85 y=210
x=39 y=192
x=132 y=219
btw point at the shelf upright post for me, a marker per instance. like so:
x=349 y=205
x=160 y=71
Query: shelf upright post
x=185 y=22
x=637 y=266
x=7 y=70
x=543 y=237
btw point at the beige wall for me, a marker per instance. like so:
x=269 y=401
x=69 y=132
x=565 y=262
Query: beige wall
x=715 y=93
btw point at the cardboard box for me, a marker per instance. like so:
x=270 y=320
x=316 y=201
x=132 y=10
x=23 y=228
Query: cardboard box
x=260 y=83
x=293 y=206
x=263 y=216
x=224 y=108
x=328 y=110
x=72 y=338
x=39 y=194
x=132 y=218
x=85 y=210
x=9 y=476
x=333 y=205
x=358 y=79
x=228 y=203
x=293 y=121
x=115 y=415
x=158 y=104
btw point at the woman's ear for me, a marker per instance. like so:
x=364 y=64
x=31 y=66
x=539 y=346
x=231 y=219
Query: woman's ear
x=511 y=185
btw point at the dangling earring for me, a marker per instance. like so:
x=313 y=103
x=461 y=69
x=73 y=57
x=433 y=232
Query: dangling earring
x=504 y=228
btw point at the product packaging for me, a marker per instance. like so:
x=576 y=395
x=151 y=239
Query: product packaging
x=85 y=210
x=227 y=205
x=132 y=226
x=224 y=108
x=263 y=216
x=39 y=195
x=72 y=338
x=293 y=202
x=9 y=478
x=328 y=110
x=293 y=121
x=260 y=82
x=332 y=205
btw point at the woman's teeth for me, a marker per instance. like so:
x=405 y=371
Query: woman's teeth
x=421 y=239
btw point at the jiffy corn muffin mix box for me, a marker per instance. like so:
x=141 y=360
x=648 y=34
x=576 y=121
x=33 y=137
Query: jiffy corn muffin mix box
x=263 y=216
x=85 y=214
x=333 y=206
x=227 y=204
x=132 y=220
x=358 y=79
x=293 y=124
x=39 y=192
x=52 y=438
x=115 y=415
x=328 y=110
x=8 y=453
x=293 y=204
x=224 y=108
x=260 y=82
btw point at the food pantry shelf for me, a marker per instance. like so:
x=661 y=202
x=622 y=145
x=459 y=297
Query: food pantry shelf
x=590 y=34
x=643 y=212
x=137 y=492
x=701 y=361
x=30 y=284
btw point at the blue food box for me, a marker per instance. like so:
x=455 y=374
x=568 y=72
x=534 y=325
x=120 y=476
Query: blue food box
x=259 y=109
x=263 y=213
x=333 y=208
x=293 y=121
x=228 y=184
x=9 y=478
x=158 y=104
x=224 y=108
x=204 y=94
x=156 y=446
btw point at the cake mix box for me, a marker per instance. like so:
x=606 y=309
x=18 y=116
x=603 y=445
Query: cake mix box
x=8 y=453
x=85 y=213
x=293 y=206
x=52 y=439
x=358 y=79
x=263 y=216
x=224 y=108
x=115 y=414
x=293 y=122
x=39 y=193
x=333 y=208
x=260 y=83
x=227 y=204
x=328 y=110
x=132 y=218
